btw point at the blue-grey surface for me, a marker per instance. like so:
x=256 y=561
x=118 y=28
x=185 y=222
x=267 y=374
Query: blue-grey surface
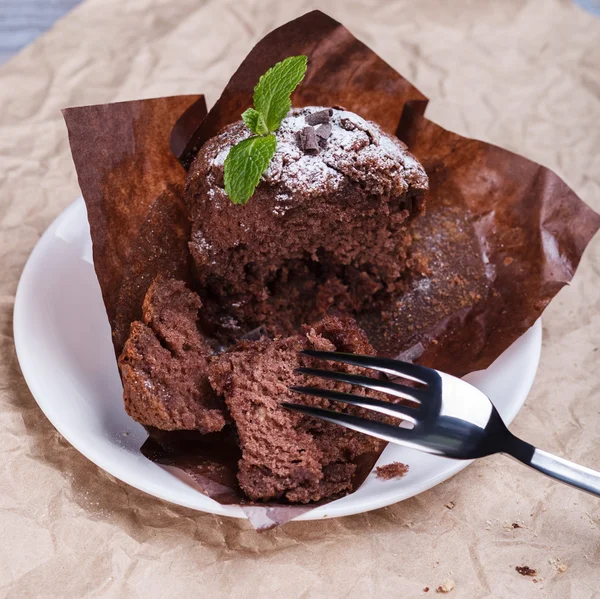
x=592 y=6
x=21 y=21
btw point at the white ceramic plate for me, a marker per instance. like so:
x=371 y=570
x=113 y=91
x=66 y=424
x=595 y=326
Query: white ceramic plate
x=64 y=347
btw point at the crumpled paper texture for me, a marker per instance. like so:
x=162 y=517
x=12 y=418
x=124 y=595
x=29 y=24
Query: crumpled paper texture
x=523 y=75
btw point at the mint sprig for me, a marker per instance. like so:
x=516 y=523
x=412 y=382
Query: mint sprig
x=273 y=90
x=249 y=159
x=255 y=121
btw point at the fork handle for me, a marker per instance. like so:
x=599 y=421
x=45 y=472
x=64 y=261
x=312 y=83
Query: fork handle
x=560 y=469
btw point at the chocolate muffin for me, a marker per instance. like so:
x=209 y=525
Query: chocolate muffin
x=325 y=232
x=164 y=363
x=286 y=455
x=327 y=225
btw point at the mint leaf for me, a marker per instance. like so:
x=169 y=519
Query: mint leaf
x=273 y=90
x=245 y=164
x=248 y=160
x=254 y=121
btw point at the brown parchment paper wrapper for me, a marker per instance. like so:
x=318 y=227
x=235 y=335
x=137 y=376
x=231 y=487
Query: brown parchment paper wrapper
x=131 y=184
x=501 y=235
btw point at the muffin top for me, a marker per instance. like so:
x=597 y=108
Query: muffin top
x=344 y=148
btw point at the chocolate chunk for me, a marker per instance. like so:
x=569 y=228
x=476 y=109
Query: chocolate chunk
x=301 y=137
x=323 y=131
x=316 y=118
x=308 y=141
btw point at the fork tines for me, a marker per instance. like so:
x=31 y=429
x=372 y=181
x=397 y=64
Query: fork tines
x=383 y=386
x=387 y=432
x=383 y=407
x=413 y=372
x=384 y=431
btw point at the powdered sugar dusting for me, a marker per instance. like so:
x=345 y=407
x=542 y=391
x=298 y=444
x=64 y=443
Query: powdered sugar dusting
x=220 y=157
x=357 y=151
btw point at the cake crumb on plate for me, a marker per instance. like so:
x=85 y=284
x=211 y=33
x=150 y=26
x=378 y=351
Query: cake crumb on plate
x=393 y=470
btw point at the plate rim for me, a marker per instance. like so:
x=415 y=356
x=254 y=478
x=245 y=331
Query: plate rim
x=327 y=511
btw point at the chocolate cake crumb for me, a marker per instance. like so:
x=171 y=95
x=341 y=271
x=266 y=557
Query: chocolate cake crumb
x=164 y=364
x=286 y=455
x=526 y=571
x=426 y=589
x=393 y=470
x=321 y=116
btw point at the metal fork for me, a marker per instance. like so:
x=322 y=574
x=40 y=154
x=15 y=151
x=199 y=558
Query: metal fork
x=451 y=418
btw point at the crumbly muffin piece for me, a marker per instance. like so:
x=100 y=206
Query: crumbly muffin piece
x=393 y=470
x=164 y=362
x=338 y=217
x=286 y=455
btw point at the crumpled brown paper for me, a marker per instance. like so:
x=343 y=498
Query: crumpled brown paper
x=507 y=72
x=501 y=235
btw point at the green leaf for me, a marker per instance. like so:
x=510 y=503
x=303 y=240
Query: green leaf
x=254 y=121
x=273 y=90
x=245 y=164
